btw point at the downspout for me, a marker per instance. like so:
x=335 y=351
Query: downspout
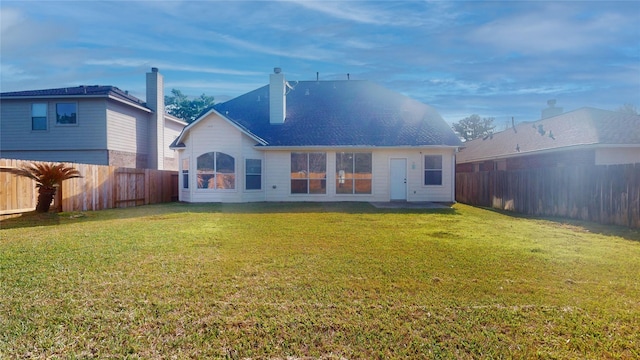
x=453 y=178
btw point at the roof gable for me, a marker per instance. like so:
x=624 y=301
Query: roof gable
x=340 y=113
x=582 y=127
x=178 y=143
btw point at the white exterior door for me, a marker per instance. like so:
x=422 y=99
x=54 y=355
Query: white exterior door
x=398 y=176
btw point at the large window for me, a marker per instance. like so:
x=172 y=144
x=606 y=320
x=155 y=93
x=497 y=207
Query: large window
x=216 y=170
x=353 y=173
x=39 y=116
x=185 y=173
x=253 y=174
x=66 y=114
x=308 y=173
x=433 y=169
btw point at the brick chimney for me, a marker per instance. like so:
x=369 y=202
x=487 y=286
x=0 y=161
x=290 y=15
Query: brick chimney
x=155 y=102
x=277 y=97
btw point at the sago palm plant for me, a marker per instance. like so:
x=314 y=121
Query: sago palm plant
x=48 y=178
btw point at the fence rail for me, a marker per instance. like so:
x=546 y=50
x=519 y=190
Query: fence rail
x=607 y=194
x=100 y=187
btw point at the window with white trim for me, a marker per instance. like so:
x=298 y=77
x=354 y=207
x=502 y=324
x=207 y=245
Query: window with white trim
x=185 y=173
x=308 y=173
x=39 y=116
x=353 y=173
x=253 y=174
x=433 y=169
x=216 y=170
x=66 y=114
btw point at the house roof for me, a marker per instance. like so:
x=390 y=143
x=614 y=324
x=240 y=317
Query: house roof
x=83 y=90
x=339 y=113
x=583 y=127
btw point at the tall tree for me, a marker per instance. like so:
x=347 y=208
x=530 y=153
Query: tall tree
x=179 y=105
x=474 y=127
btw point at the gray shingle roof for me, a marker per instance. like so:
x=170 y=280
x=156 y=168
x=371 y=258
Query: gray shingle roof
x=582 y=127
x=91 y=90
x=340 y=113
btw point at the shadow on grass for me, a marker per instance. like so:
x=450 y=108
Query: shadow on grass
x=33 y=219
x=580 y=225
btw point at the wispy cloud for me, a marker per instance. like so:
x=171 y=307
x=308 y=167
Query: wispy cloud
x=550 y=28
x=135 y=63
x=383 y=13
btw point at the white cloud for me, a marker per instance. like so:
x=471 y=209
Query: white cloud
x=10 y=18
x=429 y=14
x=137 y=63
x=549 y=29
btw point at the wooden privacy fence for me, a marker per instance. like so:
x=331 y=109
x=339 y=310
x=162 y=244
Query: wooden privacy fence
x=607 y=194
x=100 y=187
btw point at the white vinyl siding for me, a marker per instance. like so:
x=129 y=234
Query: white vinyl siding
x=215 y=134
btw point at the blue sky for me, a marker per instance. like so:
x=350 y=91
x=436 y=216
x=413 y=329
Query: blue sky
x=493 y=58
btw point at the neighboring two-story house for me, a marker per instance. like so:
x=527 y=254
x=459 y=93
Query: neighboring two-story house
x=90 y=124
x=586 y=136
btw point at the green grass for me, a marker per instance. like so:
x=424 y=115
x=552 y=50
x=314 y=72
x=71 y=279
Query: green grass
x=316 y=280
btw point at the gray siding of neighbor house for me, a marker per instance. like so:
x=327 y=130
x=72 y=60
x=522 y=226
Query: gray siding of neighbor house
x=127 y=128
x=88 y=135
x=127 y=135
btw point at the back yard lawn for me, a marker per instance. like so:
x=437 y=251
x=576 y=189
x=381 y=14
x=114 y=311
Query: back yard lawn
x=316 y=280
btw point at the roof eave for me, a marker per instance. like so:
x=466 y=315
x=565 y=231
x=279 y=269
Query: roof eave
x=130 y=103
x=540 y=151
x=170 y=117
x=359 y=147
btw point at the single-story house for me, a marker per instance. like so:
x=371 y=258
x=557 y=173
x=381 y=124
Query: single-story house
x=94 y=124
x=586 y=136
x=317 y=141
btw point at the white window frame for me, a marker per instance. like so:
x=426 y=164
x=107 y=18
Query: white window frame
x=424 y=170
x=75 y=103
x=353 y=180
x=246 y=173
x=216 y=173
x=46 y=116
x=308 y=178
x=185 y=172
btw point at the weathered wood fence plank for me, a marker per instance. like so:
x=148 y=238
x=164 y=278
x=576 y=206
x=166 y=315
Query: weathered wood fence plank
x=608 y=194
x=101 y=187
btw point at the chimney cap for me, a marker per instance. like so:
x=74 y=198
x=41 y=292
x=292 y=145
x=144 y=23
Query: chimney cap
x=277 y=70
x=154 y=69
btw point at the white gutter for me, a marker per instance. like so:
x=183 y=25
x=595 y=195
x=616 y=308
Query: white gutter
x=350 y=147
